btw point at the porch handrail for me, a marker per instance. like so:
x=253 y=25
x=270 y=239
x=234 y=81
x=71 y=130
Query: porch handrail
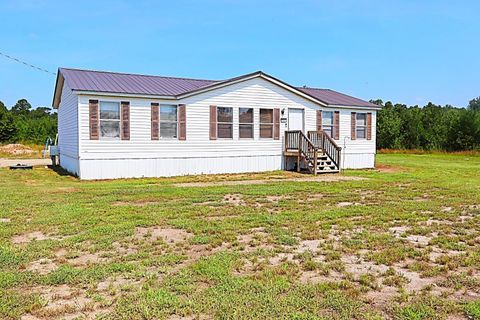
x=323 y=141
x=297 y=140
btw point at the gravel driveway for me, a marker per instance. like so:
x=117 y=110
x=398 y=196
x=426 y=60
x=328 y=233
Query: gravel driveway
x=33 y=162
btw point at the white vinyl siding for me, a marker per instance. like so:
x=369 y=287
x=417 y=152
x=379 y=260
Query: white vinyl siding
x=68 y=130
x=141 y=156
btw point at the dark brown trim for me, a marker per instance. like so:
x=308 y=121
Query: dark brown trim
x=336 y=125
x=182 y=122
x=276 y=124
x=319 y=121
x=125 y=119
x=213 y=122
x=94 y=120
x=353 y=133
x=155 y=120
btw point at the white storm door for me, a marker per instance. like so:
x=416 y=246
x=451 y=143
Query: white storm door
x=295 y=119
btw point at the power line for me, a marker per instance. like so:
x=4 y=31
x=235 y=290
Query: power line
x=26 y=63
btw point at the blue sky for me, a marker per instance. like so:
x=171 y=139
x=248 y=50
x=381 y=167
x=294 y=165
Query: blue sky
x=406 y=51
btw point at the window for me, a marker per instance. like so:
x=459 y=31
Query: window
x=168 y=121
x=327 y=122
x=246 y=123
x=361 y=125
x=266 y=123
x=110 y=120
x=224 y=123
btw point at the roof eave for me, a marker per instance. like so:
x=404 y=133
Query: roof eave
x=57 y=92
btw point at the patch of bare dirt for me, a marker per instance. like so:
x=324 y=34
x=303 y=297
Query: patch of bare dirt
x=124 y=249
x=381 y=298
x=137 y=203
x=169 y=235
x=398 y=231
x=388 y=168
x=309 y=245
x=16 y=149
x=358 y=266
x=116 y=283
x=65 y=302
x=234 y=199
x=419 y=240
x=347 y=204
x=86 y=259
x=190 y=317
x=42 y=266
x=33 y=236
x=314 y=277
x=319 y=178
x=4 y=220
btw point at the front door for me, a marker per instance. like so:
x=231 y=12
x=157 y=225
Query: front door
x=295 y=119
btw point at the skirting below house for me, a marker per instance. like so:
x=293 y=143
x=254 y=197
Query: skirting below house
x=91 y=169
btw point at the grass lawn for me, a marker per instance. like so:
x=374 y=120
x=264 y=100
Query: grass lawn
x=401 y=242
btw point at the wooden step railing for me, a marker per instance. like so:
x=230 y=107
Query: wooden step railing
x=321 y=140
x=297 y=140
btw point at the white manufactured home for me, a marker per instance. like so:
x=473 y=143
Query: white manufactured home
x=117 y=125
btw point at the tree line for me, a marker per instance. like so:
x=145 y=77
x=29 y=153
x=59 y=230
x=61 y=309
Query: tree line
x=432 y=127
x=23 y=124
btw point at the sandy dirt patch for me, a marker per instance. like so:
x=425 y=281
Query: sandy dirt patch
x=169 y=235
x=30 y=162
x=16 y=149
x=234 y=199
x=42 y=266
x=33 y=236
x=319 y=178
x=388 y=168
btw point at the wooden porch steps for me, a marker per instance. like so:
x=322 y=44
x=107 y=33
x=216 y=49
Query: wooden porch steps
x=317 y=152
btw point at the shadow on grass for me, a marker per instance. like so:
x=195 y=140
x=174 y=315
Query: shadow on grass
x=60 y=171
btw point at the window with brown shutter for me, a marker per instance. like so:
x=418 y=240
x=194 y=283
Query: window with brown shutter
x=276 y=124
x=336 y=125
x=319 y=121
x=327 y=123
x=125 y=114
x=353 y=134
x=266 y=123
x=361 y=126
x=369 y=126
x=213 y=123
x=155 y=130
x=182 y=122
x=93 y=119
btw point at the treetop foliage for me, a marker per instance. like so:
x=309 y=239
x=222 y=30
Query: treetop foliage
x=24 y=124
x=431 y=127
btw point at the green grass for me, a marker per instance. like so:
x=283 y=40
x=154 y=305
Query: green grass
x=282 y=249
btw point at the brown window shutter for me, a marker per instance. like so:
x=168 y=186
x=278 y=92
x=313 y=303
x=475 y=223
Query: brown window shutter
x=353 y=134
x=93 y=119
x=336 y=125
x=319 y=121
x=369 y=126
x=213 y=122
x=276 y=124
x=155 y=118
x=182 y=122
x=125 y=119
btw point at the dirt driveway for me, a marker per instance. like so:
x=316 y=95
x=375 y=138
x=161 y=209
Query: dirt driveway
x=32 y=162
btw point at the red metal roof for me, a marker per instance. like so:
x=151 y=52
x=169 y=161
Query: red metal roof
x=102 y=81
